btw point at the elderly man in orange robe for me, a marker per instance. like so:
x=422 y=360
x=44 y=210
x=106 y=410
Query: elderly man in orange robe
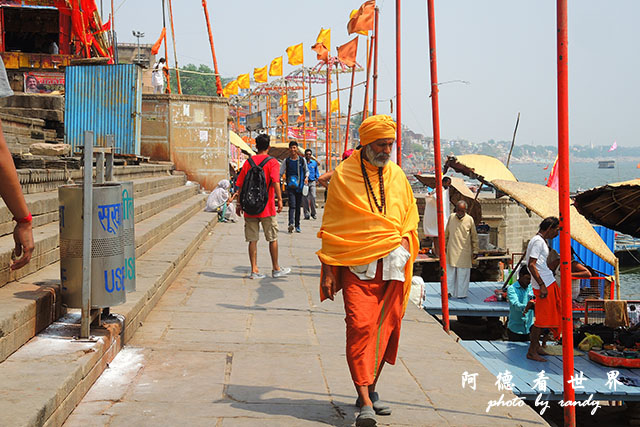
x=369 y=242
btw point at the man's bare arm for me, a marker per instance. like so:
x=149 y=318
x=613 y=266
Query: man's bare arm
x=533 y=269
x=328 y=282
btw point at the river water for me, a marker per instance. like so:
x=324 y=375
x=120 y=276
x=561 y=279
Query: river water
x=586 y=175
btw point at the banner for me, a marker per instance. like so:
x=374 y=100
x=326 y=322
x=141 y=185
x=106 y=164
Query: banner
x=311 y=133
x=43 y=82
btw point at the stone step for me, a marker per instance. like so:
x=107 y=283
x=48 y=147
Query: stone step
x=19 y=302
x=32 y=100
x=45 y=379
x=36 y=113
x=13 y=120
x=44 y=206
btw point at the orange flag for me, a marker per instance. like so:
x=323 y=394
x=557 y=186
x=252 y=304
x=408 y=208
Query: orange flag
x=284 y=100
x=335 y=106
x=260 y=74
x=275 y=69
x=554 y=177
x=325 y=38
x=244 y=81
x=321 y=51
x=353 y=13
x=156 y=46
x=295 y=54
x=362 y=20
x=311 y=105
x=347 y=52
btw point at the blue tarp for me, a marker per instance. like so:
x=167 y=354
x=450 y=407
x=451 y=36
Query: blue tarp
x=589 y=258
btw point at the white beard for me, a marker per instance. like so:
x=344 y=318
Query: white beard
x=379 y=160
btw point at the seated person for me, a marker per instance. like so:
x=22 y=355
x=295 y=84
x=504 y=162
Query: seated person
x=220 y=201
x=520 y=295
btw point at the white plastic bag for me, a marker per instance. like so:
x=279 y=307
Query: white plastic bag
x=305 y=190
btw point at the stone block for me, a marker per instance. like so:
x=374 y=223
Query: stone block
x=45 y=149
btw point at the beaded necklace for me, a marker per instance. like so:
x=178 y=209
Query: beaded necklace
x=382 y=206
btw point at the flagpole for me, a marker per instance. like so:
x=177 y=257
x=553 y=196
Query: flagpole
x=375 y=63
x=213 y=51
x=328 y=117
x=166 y=49
x=365 y=109
x=346 y=135
x=285 y=111
x=435 y=111
x=398 y=88
x=338 y=115
x=564 y=204
x=175 y=53
x=304 y=115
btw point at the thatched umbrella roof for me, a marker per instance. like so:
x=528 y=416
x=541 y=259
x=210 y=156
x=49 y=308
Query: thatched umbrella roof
x=280 y=150
x=457 y=191
x=235 y=139
x=616 y=206
x=480 y=167
x=544 y=202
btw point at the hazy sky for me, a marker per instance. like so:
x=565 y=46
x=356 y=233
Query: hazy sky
x=505 y=49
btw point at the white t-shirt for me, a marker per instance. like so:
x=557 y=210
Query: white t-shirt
x=538 y=249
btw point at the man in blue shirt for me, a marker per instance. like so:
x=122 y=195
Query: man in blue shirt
x=309 y=201
x=520 y=295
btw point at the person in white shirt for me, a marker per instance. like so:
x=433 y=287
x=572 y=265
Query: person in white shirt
x=545 y=288
x=157 y=77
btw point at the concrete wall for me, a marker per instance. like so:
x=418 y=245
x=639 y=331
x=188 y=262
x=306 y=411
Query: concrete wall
x=190 y=131
x=513 y=225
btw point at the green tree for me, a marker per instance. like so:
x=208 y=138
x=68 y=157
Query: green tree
x=197 y=84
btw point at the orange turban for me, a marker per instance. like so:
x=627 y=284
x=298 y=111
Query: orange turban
x=377 y=127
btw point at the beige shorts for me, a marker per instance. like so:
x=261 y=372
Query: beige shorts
x=252 y=228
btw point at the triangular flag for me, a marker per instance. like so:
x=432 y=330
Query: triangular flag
x=347 y=52
x=230 y=89
x=613 y=146
x=295 y=54
x=107 y=25
x=275 y=69
x=353 y=13
x=260 y=74
x=325 y=38
x=244 y=82
x=311 y=105
x=554 y=177
x=362 y=19
x=321 y=51
x=156 y=46
x=335 y=106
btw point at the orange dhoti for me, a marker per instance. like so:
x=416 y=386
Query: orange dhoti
x=374 y=311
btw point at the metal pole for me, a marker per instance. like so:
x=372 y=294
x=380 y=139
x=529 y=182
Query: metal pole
x=375 y=62
x=513 y=140
x=100 y=167
x=444 y=293
x=213 y=51
x=565 y=220
x=398 y=89
x=175 y=54
x=337 y=115
x=346 y=134
x=304 y=115
x=109 y=159
x=87 y=215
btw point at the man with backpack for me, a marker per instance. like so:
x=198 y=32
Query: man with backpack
x=296 y=175
x=258 y=184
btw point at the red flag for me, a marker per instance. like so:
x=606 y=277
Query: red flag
x=156 y=46
x=554 y=177
x=363 y=19
x=107 y=25
x=347 y=52
x=322 y=52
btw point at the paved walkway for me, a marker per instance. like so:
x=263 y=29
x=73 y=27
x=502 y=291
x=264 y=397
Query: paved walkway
x=222 y=350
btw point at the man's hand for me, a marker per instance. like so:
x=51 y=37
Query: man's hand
x=306 y=181
x=23 y=236
x=328 y=284
x=543 y=291
x=238 y=209
x=405 y=244
x=279 y=208
x=529 y=306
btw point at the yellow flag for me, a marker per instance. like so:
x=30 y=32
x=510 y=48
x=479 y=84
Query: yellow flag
x=260 y=74
x=275 y=69
x=284 y=101
x=325 y=38
x=230 y=89
x=313 y=106
x=244 y=81
x=353 y=13
x=335 y=106
x=295 y=54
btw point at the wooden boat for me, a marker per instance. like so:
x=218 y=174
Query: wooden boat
x=606 y=164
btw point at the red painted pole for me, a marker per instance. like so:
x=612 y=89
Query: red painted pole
x=346 y=135
x=398 y=89
x=375 y=63
x=175 y=53
x=565 y=220
x=167 y=74
x=365 y=109
x=328 y=118
x=438 y=161
x=213 y=51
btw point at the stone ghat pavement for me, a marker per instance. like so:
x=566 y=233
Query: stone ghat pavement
x=222 y=350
